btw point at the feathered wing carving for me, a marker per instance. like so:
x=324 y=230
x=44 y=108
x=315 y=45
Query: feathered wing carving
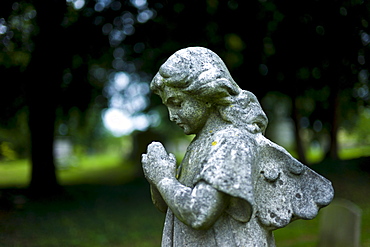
x=285 y=189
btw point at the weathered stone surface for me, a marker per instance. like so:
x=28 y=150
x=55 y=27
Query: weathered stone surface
x=234 y=186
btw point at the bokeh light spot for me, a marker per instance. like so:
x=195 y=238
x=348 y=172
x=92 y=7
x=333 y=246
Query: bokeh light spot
x=116 y=5
x=263 y=69
x=139 y=3
x=139 y=47
x=144 y=16
x=117 y=122
x=320 y=30
x=234 y=42
x=317 y=126
x=107 y=28
x=365 y=38
x=343 y=11
x=3 y=29
x=128 y=29
x=99 y=7
x=316 y=73
x=121 y=80
x=361 y=59
x=79 y=4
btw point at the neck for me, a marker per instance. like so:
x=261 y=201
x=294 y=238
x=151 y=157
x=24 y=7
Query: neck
x=213 y=124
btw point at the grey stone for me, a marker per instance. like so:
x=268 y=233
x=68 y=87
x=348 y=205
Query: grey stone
x=234 y=186
x=340 y=225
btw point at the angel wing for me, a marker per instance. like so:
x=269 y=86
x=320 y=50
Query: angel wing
x=285 y=189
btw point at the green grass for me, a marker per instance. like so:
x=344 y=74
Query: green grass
x=105 y=168
x=354 y=152
x=102 y=206
x=99 y=169
x=305 y=233
x=300 y=233
x=85 y=216
x=14 y=173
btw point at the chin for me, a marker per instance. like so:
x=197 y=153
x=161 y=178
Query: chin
x=188 y=132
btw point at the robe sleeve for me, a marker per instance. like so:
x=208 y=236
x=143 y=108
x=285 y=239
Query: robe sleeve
x=157 y=199
x=285 y=189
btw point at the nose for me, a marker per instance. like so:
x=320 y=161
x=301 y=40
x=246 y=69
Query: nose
x=173 y=115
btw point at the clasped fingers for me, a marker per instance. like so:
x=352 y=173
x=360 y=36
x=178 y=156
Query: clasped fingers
x=157 y=164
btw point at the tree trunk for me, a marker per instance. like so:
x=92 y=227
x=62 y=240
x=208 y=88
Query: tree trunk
x=298 y=139
x=334 y=120
x=41 y=124
x=43 y=80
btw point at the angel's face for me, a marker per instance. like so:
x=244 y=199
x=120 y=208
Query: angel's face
x=185 y=110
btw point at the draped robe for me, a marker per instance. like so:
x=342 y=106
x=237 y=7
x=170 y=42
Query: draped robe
x=253 y=171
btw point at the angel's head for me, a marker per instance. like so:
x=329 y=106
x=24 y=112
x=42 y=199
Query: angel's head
x=201 y=75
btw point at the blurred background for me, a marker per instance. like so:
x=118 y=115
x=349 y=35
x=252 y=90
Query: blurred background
x=76 y=111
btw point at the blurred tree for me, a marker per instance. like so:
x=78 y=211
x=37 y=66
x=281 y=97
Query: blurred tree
x=319 y=56
x=63 y=57
x=47 y=57
x=312 y=51
x=60 y=55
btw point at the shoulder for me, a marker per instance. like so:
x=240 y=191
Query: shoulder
x=229 y=130
x=233 y=137
x=228 y=165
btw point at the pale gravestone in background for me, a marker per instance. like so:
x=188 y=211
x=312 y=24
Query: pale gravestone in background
x=63 y=152
x=340 y=225
x=234 y=186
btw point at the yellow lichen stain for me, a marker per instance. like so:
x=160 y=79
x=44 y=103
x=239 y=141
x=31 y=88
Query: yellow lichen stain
x=214 y=143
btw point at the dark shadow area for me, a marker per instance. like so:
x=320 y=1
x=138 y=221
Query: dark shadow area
x=83 y=215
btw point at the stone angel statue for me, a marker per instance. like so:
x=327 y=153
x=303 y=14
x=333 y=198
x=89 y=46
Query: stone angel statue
x=234 y=186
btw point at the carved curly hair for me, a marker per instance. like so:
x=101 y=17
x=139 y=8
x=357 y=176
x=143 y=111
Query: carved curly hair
x=199 y=72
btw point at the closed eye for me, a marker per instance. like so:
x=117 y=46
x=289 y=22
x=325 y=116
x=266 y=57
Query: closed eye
x=174 y=102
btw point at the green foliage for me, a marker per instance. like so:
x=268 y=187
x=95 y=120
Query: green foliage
x=361 y=131
x=14 y=137
x=355 y=139
x=320 y=48
x=17 y=41
x=7 y=152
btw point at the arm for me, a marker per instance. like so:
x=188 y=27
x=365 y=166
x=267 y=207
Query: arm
x=198 y=207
